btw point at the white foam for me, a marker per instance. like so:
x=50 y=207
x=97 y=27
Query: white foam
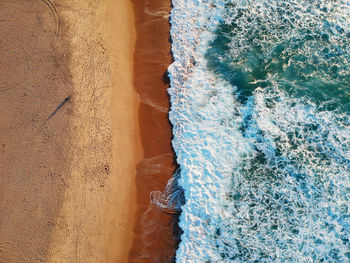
x=226 y=194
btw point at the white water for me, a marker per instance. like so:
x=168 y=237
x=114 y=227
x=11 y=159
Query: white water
x=276 y=190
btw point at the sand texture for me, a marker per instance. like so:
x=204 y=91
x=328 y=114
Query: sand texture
x=69 y=136
x=154 y=229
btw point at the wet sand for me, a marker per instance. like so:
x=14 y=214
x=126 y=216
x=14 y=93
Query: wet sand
x=154 y=241
x=67 y=189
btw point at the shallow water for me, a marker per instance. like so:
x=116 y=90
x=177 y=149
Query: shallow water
x=260 y=112
x=153 y=229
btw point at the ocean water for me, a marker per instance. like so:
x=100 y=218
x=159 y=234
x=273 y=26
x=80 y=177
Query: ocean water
x=260 y=107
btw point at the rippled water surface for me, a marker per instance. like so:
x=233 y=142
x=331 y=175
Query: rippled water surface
x=260 y=94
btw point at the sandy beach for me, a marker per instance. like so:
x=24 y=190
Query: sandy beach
x=154 y=240
x=69 y=130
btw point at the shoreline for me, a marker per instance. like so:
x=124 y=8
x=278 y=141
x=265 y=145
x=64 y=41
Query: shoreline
x=78 y=184
x=154 y=231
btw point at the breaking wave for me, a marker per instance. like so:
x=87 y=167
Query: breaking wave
x=260 y=95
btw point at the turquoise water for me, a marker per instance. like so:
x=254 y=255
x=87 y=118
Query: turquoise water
x=260 y=95
x=308 y=57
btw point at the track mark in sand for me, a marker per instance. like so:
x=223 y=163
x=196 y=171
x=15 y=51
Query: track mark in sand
x=11 y=86
x=58 y=108
x=54 y=11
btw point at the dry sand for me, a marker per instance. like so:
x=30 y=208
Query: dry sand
x=67 y=190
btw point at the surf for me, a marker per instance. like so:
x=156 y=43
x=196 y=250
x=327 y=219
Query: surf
x=260 y=111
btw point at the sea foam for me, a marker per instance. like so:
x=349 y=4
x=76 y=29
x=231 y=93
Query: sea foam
x=259 y=107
